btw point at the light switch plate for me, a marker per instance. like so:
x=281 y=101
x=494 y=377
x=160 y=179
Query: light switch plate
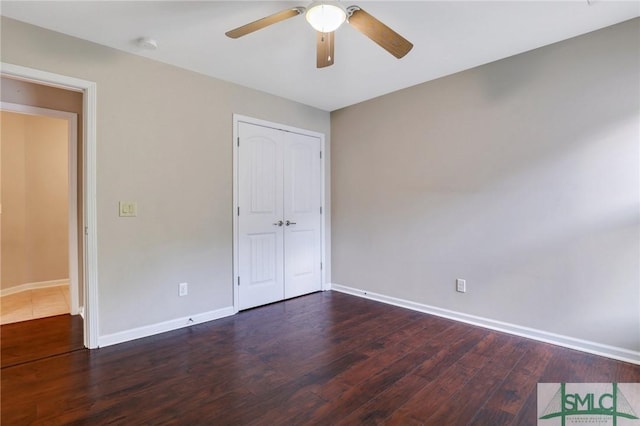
x=128 y=209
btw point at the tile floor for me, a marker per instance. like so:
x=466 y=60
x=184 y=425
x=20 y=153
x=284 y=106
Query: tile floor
x=32 y=304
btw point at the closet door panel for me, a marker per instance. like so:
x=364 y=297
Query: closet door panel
x=302 y=201
x=261 y=244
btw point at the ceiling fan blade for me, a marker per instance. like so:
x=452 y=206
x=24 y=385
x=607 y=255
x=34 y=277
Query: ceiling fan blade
x=388 y=39
x=324 y=48
x=265 y=22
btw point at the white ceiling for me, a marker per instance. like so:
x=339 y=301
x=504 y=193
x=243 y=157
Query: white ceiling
x=448 y=36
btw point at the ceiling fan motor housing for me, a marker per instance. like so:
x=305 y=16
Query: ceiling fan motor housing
x=326 y=16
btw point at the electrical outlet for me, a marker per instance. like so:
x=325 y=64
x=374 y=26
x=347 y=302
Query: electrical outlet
x=461 y=285
x=183 y=289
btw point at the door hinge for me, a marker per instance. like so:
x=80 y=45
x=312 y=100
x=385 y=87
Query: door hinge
x=238 y=280
x=86 y=230
x=321 y=155
x=320 y=209
x=238 y=210
x=321 y=266
x=238 y=141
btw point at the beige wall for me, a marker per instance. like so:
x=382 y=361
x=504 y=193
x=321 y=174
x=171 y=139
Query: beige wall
x=34 y=199
x=13 y=193
x=164 y=141
x=520 y=176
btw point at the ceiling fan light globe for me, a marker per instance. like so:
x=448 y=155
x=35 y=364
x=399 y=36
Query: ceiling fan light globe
x=325 y=16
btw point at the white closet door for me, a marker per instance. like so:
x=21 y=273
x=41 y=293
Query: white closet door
x=279 y=219
x=260 y=239
x=302 y=201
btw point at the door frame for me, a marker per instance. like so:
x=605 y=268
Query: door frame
x=90 y=255
x=72 y=187
x=237 y=119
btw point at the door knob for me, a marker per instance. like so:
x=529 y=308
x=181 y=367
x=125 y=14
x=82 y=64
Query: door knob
x=279 y=223
x=288 y=222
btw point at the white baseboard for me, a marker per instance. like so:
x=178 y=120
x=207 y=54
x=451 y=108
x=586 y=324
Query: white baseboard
x=150 y=330
x=595 y=348
x=33 y=286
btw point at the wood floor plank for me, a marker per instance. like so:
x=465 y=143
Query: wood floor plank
x=463 y=404
x=358 y=395
x=326 y=358
x=382 y=352
x=492 y=417
x=521 y=382
x=527 y=416
x=627 y=373
x=44 y=337
x=451 y=381
x=384 y=404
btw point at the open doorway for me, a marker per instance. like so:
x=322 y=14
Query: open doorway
x=39 y=226
x=28 y=86
x=36 y=93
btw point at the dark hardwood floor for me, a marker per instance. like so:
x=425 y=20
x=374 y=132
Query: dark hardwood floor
x=40 y=338
x=327 y=358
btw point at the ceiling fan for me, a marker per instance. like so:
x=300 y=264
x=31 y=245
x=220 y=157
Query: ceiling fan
x=326 y=17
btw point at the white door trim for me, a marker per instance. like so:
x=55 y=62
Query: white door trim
x=238 y=118
x=88 y=88
x=72 y=129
